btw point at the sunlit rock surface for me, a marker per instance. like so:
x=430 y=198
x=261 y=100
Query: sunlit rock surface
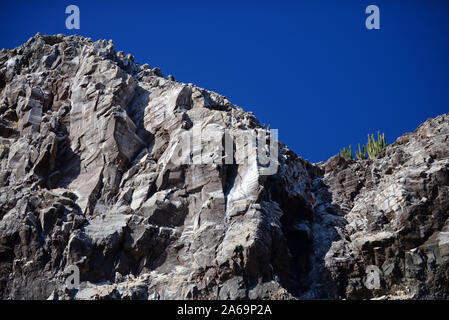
x=92 y=177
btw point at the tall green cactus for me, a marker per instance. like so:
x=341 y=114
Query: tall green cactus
x=372 y=149
x=346 y=153
x=361 y=153
x=381 y=140
x=375 y=147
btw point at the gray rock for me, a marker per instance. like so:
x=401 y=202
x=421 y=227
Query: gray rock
x=93 y=175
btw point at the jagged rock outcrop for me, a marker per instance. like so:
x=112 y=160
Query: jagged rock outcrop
x=396 y=212
x=95 y=174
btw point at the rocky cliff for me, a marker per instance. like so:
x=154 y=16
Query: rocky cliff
x=95 y=175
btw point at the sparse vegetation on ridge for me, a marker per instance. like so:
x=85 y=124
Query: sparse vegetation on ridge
x=370 y=150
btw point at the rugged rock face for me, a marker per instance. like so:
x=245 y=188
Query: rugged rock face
x=396 y=216
x=94 y=175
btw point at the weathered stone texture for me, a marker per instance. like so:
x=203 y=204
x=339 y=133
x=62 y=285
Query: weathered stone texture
x=91 y=177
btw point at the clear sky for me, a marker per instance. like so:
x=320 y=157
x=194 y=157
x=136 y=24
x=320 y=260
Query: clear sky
x=309 y=68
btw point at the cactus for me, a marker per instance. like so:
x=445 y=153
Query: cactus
x=346 y=153
x=381 y=140
x=374 y=147
x=370 y=147
x=371 y=150
x=361 y=154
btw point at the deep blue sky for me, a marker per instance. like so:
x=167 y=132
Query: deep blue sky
x=309 y=68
